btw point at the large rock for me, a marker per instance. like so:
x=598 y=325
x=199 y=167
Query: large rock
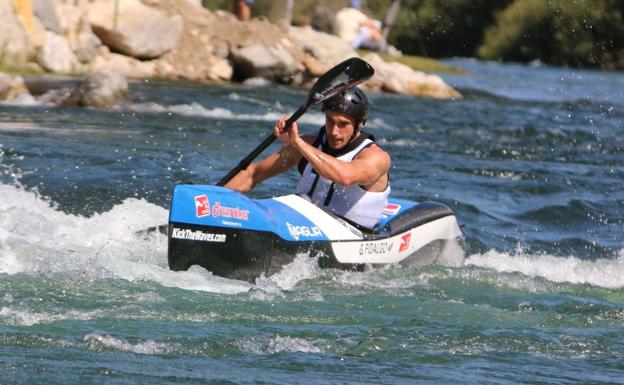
x=136 y=29
x=25 y=14
x=401 y=79
x=16 y=47
x=328 y=49
x=220 y=69
x=100 y=89
x=273 y=62
x=46 y=12
x=11 y=86
x=71 y=22
x=84 y=43
x=128 y=66
x=56 y=55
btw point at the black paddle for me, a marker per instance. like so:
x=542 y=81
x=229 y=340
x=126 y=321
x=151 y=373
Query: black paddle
x=347 y=74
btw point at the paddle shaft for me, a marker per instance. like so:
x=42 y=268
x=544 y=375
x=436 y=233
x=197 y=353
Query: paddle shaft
x=243 y=164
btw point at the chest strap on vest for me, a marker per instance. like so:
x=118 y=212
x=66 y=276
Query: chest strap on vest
x=314 y=183
x=330 y=194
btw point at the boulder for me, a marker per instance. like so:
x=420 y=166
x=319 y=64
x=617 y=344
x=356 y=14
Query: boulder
x=16 y=47
x=220 y=70
x=136 y=30
x=273 y=62
x=100 y=89
x=71 y=22
x=46 y=12
x=56 y=55
x=128 y=66
x=400 y=79
x=32 y=26
x=84 y=43
x=11 y=86
x=328 y=49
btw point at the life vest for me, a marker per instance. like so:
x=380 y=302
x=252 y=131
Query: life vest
x=351 y=202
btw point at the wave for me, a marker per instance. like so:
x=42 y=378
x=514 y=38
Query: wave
x=607 y=273
x=97 y=341
x=37 y=238
x=278 y=344
x=197 y=110
x=315 y=118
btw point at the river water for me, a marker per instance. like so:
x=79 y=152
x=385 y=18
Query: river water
x=531 y=160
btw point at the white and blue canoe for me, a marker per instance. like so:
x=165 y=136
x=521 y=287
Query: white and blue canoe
x=237 y=237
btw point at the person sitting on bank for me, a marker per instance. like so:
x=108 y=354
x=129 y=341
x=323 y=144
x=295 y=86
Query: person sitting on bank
x=358 y=29
x=242 y=10
x=342 y=169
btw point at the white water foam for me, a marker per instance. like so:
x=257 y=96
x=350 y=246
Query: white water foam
x=400 y=142
x=196 y=109
x=148 y=347
x=278 y=344
x=301 y=268
x=312 y=117
x=37 y=238
x=20 y=317
x=608 y=273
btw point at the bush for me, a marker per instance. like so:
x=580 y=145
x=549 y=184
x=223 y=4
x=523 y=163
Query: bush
x=561 y=32
x=443 y=28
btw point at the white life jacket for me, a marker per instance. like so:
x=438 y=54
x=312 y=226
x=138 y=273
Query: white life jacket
x=351 y=202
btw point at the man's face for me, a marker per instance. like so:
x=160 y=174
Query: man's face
x=339 y=129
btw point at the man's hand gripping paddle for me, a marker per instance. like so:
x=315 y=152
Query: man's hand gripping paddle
x=347 y=74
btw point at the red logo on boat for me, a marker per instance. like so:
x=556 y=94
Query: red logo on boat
x=405 y=241
x=203 y=209
x=392 y=209
x=202 y=206
x=218 y=210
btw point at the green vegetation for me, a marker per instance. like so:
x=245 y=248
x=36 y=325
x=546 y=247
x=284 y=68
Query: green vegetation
x=418 y=63
x=443 y=28
x=28 y=70
x=561 y=32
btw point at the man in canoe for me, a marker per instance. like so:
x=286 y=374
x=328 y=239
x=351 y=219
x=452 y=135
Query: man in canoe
x=342 y=169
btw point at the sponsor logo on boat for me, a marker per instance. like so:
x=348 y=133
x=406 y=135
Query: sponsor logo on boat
x=306 y=231
x=203 y=209
x=202 y=206
x=392 y=209
x=197 y=235
x=375 y=248
x=405 y=241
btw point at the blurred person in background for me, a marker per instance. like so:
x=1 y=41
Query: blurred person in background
x=242 y=10
x=358 y=29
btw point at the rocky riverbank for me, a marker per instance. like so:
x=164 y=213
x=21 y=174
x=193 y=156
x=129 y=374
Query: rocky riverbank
x=175 y=39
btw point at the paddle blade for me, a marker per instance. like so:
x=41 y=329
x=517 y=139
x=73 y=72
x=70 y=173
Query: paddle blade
x=347 y=74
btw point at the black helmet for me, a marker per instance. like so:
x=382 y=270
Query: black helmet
x=352 y=102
